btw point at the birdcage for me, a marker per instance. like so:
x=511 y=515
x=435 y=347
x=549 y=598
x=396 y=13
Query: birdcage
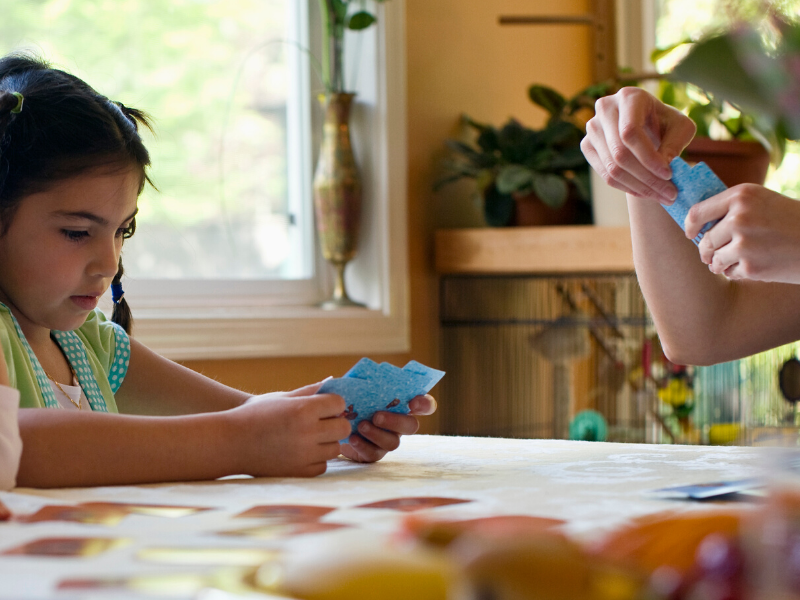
x=577 y=356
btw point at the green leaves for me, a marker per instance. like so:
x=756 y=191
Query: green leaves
x=551 y=189
x=514 y=178
x=360 y=20
x=548 y=99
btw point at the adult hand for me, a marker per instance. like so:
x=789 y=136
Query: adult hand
x=631 y=140
x=757 y=237
x=288 y=434
x=374 y=439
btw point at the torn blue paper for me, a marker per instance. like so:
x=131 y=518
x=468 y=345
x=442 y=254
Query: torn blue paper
x=694 y=184
x=370 y=387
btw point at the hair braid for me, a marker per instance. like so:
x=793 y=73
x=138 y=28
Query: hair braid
x=121 y=315
x=8 y=102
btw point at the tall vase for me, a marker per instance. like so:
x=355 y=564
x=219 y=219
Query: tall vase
x=337 y=195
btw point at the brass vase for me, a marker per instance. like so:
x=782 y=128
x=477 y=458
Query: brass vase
x=337 y=194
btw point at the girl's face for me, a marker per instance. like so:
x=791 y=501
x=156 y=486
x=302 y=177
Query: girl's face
x=62 y=247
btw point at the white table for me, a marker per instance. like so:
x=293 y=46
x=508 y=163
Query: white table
x=593 y=486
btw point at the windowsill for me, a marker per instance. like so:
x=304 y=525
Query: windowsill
x=277 y=331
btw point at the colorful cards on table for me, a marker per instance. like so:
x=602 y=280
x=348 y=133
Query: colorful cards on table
x=695 y=184
x=370 y=387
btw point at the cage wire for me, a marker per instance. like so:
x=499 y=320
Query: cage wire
x=526 y=355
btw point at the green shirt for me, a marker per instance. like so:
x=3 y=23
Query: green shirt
x=98 y=351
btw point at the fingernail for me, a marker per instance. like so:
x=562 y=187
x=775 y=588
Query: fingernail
x=363 y=427
x=379 y=420
x=326 y=379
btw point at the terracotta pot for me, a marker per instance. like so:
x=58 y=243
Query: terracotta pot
x=530 y=211
x=733 y=161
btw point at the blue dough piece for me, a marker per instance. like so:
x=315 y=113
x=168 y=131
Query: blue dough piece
x=433 y=376
x=694 y=184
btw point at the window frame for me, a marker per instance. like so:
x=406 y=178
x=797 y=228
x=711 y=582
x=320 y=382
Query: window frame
x=181 y=320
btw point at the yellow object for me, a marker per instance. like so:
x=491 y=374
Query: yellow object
x=676 y=393
x=723 y=434
x=359 y=568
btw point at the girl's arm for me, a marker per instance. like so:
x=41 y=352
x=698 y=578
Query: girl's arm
x=155 y=385
x=702 y=318
x=292 y=435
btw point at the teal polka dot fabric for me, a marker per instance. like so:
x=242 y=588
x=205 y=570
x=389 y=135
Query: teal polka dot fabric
x=44 y=383
x=73 y=348
x=122 y=357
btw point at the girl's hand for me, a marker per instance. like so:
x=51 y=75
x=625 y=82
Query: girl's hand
x=5 y=514
x=758 y=236
x=382 y=435
x=288 y=434
x=631 y=140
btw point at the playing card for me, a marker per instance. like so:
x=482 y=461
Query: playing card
x=230 y=557
x=95 y=515
x=442 y=532
x=432 y=376
x=282 y=530
x=67 y=546
x=370 y=387
x=411 y=504
x=154 y=510
x=236 y=580
x=705 y=491
x=695 y=184
x=286 y=513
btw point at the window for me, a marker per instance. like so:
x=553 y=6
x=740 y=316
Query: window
x=224 y=262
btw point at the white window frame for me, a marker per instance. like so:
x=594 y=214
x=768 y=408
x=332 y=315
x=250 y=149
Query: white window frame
x=181 y=320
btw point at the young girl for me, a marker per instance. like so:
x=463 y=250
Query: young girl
x=72 y=166
x=702 y=317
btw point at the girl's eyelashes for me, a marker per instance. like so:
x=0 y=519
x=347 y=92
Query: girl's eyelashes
x=74 y=235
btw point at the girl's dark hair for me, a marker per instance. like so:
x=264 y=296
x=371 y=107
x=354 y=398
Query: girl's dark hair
x=64 y=128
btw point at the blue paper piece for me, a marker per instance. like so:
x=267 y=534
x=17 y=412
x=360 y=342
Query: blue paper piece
x=433 y=376
x=370 y=387
x=695 y=184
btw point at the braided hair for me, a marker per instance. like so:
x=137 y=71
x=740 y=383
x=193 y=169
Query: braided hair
x=54 y=126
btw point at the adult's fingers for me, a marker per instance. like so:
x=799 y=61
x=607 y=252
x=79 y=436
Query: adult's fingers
x=640 y=129
x=724 y=260
x=675 y=130
x=591 y=154
x=716 y=238
x=619 y=161
x=712 y=209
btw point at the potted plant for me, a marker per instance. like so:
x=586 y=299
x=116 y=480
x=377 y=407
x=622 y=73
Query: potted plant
x=755 y=70
x=735 y=144
x=528 y=176
x=337 y=181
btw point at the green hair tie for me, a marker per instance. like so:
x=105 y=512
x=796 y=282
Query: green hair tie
x=20 y=100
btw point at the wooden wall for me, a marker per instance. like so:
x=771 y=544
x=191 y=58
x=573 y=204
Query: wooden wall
x=459 y=61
